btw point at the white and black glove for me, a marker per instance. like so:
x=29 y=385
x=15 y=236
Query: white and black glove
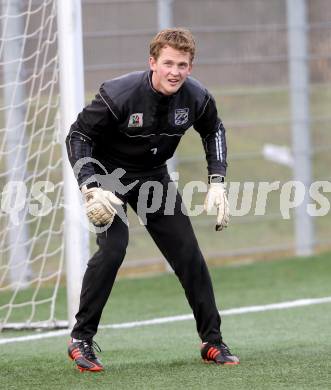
x=216 y=197
x=100 y=205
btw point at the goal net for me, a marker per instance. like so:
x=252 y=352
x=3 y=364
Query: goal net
x=31 y=187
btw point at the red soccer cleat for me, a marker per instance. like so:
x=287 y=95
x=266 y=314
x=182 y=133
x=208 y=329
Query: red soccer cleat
x=82 y=352
x=218 y=353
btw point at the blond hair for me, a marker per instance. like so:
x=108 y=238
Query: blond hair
x=178 y=38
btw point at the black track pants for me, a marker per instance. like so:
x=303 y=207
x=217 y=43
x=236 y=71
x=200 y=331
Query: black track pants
x=172 y=232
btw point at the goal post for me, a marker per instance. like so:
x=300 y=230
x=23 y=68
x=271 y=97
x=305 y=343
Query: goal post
x=43 y=244
x=72 y=101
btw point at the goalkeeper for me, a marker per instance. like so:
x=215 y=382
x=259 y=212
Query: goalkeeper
x=135 y=123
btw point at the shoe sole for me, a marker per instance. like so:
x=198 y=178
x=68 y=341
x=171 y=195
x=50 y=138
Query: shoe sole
x=220 y=364
x=81 y=369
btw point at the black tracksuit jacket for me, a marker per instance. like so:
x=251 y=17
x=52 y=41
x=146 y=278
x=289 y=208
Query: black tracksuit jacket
x=132 y=126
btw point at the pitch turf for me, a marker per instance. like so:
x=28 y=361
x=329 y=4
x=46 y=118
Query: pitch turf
x=283 y=349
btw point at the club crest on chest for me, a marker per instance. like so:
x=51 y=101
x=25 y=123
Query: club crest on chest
x=181 y=116
x=136 y=120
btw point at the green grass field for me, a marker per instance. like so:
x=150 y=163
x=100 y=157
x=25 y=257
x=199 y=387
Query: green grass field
x=279 y=349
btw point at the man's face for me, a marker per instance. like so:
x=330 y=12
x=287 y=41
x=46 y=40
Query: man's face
x=170 y=70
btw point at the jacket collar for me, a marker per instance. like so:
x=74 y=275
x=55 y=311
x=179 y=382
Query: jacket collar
x=157 y=94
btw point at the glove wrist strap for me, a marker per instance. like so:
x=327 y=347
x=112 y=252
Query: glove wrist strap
x=93 y=184
x=215 y=179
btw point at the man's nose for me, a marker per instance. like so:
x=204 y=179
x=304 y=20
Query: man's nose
x=175 y=70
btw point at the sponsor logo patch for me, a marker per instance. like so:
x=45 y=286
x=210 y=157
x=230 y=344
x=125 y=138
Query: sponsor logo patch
x=181 y=116
x=136 y=120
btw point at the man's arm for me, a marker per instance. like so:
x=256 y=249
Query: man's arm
x=89 y=128
x=212 y=132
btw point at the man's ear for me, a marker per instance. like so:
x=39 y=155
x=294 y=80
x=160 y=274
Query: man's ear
x=152 y=63
x=190 y=69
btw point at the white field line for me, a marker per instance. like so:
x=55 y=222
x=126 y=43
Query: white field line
x=163 y=320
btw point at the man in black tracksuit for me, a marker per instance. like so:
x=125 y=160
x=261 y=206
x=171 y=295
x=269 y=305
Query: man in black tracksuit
x=135 y=123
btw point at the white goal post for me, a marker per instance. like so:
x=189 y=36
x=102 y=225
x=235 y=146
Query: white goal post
x=43 y=245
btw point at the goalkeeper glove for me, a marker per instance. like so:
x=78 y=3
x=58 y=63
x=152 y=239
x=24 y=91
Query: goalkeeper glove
x=100 y=205
x=216 y=197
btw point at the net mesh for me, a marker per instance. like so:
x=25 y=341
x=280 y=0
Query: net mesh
x=31 y=219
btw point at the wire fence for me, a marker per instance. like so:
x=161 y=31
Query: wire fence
x=243 y=58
